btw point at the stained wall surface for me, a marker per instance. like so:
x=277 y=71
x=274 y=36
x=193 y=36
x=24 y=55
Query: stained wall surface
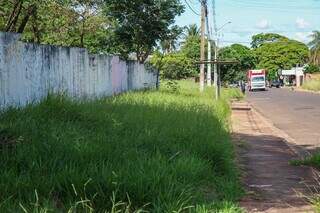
x=29 y=72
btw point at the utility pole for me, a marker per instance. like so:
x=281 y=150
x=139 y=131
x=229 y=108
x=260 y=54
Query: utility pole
x=216 y=75
x=209 y=65
x=215 y=70
x=202 y=46
x=209 y=50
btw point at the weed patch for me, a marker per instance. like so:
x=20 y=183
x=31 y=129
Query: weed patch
x=313 y=85
x=152 y=151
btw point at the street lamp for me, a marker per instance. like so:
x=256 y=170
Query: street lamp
x=229 y=22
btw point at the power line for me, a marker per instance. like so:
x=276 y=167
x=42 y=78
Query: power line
x=271 y=6
x=214 y=15
x=193 y=10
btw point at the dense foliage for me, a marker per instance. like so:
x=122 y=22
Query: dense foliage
x=311 y=68
x=262 y=38
x=270 y=51
x=140 y=24
x=120 y=154
x=173 y=66
x=245 y=58
x=315 y=48
x=281 y=54
x=102 y=26
x=77 y=23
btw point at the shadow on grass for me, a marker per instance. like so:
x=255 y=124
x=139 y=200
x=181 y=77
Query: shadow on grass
x=136 y=149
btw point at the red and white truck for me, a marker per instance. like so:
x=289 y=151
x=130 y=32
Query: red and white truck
x=257 y=79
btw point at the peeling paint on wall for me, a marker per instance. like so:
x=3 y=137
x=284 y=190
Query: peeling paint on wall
x=29 y=72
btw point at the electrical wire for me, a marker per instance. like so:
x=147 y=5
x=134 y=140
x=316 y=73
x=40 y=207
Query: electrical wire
x=272 y=6
x=196 y=13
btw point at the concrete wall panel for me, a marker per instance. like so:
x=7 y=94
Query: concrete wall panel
x=29 y=72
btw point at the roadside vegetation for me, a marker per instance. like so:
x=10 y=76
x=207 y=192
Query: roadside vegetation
x=158 y=151
x=313 y=160
x=313 y=85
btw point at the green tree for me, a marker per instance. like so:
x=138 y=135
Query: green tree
x=60 y=22
x=140 y=24
x=281 y=54
x=243 y=55
x=311 y=68
x=17 y=13
x=260 y=39
x=192 y=31
x=169 y=42
x=315 y=48
x=173 y=66
x=191 y=47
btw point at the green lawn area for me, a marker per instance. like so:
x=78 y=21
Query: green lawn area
x=158 y=151
x=313 y=85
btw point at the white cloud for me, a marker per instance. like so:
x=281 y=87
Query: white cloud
x=301 y=23
x=263 y=24
x=303 y=36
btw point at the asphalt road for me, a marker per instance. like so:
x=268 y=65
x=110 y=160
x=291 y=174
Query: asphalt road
x=296 y=113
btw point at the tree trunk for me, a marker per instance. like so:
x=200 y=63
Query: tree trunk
x=36 y=32
x=31 y=10
x=14 y=16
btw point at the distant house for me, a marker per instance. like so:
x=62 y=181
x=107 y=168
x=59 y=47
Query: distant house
x=293 y=77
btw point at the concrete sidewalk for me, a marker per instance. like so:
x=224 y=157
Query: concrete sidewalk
x=272 y=184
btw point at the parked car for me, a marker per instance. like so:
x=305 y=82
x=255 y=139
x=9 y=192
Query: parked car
x=275 y=83
x=233 y=85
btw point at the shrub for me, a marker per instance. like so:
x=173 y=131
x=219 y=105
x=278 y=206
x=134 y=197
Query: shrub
x=173 y=66
x=313 y=85
x=311 y=68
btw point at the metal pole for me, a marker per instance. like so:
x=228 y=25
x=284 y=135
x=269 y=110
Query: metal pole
x=216 y=77
x=209 y=65
x=219 y=73
x=219 y=83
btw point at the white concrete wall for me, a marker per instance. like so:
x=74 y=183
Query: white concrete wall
x=29 y=72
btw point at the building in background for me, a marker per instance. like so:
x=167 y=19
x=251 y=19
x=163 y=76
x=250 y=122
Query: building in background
x=293 y=77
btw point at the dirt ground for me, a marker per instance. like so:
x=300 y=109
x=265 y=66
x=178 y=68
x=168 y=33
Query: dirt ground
x=264 y=153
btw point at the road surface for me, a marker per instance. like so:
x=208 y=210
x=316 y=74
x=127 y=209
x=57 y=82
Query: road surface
x=296 y=113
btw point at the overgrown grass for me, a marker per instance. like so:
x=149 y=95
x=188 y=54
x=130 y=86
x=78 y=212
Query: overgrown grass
x=157 y=151
x=313 y=160
x=313 y=85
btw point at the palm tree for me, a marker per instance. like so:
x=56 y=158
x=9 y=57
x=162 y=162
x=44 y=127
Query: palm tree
x=315 y=48
x=169 y=42
x=191 y=31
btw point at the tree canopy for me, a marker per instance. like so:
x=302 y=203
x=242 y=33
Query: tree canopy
x=315 y=48
x=140 y=24
x=240 y=53
x=262 y=38
x=103 y=26
x=77 y=23
x=191 y=31
x=173 y=66
x=281 y=54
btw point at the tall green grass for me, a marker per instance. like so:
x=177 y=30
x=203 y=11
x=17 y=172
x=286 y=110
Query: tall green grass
x=313 y=161
x=157 y=151
x=313 y=85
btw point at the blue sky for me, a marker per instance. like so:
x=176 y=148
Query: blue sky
x=295 y=19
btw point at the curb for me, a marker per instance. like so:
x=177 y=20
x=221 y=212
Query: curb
x=289 y=141
x=306 y=91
